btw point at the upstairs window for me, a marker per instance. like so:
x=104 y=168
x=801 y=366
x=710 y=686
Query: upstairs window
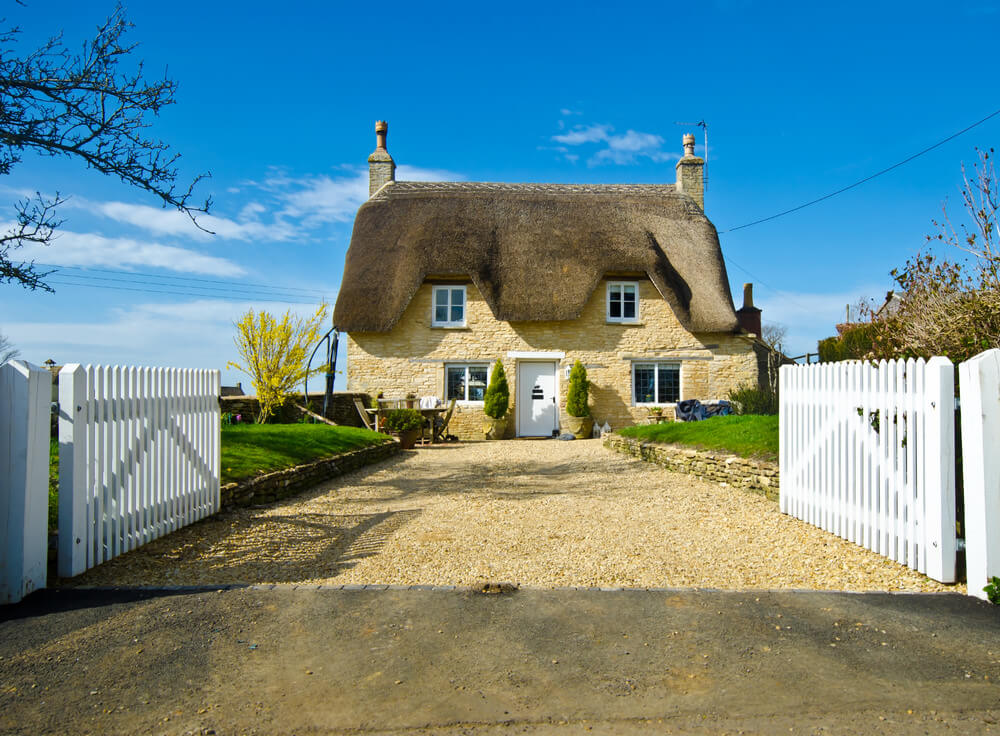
x=656 y=383
x=449 y=306
x=623 y=301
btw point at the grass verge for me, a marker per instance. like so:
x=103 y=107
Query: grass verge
x=249 y=449
x=747 y=436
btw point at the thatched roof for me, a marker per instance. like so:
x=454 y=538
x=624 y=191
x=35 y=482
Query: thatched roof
x=535 y=251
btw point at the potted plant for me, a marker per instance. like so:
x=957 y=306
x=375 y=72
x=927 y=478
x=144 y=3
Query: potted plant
x=407 y=423
x=655 y=412
x=580 y=423
x=411 y=400
x=495 y=404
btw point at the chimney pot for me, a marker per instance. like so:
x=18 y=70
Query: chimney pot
x=688 y=141
x=381 y=167
x=747 y=295
x=691 y=173
x=749 y=315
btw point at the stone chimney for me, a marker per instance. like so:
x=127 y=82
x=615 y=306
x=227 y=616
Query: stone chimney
x=749 y=315
x=691 y=173
x=381 y=167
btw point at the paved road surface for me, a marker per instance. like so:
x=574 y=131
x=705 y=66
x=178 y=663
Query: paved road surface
x=305 y=661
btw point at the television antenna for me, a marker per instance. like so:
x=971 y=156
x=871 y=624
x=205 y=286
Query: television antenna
x=704 y=129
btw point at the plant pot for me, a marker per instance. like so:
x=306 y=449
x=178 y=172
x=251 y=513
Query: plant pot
x=409 y=438
x=495 y=429
x=580 y=427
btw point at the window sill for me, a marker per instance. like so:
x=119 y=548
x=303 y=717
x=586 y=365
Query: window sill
x=625 y=323
x=450 y=327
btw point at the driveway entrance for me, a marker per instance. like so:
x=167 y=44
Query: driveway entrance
x=536 y=513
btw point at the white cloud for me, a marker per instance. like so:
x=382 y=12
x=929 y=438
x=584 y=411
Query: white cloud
x=809 y=317
x=193 y=334
x=171 y=222
x=88 y=249
x=622 y=149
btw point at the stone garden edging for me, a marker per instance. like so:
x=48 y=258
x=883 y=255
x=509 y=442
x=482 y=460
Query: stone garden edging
x=757 y=476
x=281 y=484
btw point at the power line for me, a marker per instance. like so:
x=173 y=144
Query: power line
x=867 y=178
x=166 y=276
x=237 y=291
x=171 y=292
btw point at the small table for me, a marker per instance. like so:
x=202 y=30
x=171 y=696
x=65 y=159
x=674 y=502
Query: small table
x=431 y=415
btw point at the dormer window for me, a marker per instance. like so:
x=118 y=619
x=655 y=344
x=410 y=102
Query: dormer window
x=623 y=301
x=449 y=306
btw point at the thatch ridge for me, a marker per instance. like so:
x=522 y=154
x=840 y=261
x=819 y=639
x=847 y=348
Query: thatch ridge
x=536 y=252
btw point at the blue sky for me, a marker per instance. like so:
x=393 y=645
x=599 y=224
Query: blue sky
x=800 y=100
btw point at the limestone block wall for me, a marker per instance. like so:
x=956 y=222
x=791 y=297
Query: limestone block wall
x=757 y=476
x=412 y=356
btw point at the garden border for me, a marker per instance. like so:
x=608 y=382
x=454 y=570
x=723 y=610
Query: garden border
x=756 y=476
x=281 y=484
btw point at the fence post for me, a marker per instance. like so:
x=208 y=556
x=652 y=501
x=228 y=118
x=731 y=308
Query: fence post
x=979 y=379
x=25 y=395
x=939 y=530
x=74 y=414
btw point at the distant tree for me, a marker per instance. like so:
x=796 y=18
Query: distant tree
x=88 y=107
x=773 y=335
x=949 y=307
x=275 y=353
x=7 y=350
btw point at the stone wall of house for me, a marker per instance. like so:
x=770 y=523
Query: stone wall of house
x=341 y=409
x=758 y=476
x=411 y=357
x=283 y=483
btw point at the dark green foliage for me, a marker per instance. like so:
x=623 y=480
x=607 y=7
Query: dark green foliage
x=992 y=590
x=579 y=388
x=497 y=398
x=53 y=484
x=403 y=420
x=855 y=343
x=752 y=400
x=747 y=436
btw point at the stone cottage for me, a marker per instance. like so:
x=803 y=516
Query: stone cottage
x=443 y=279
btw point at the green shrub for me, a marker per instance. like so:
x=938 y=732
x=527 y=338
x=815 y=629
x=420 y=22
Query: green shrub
x=752 y=400
x=497 y=398
x=402 y=420
x=579 y=388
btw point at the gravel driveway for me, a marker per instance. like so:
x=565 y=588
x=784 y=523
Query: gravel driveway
x=538 y=513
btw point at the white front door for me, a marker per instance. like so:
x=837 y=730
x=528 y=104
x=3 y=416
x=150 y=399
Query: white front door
x=537 y=410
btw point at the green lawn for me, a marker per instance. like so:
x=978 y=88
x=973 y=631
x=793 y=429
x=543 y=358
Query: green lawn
x=249 y=448
x=747 y=435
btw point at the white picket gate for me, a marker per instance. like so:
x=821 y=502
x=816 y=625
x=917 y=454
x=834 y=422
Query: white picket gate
x=138 y=457
x=979 y=380
x=867 y=452
x=25 y=395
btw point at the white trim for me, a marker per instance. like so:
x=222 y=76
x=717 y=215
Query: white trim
x=467 y=365
x=465 y=305
x=529 y=355
x=607 y=302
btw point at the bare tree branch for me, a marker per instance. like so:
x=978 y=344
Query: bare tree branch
x=86 y=106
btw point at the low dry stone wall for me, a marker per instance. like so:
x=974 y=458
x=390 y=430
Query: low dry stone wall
x=283 y=483
x=758 y=476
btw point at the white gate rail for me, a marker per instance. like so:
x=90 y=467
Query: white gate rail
x=138 y=457
x=867 y=452
x=979 y=381
x=25 y=394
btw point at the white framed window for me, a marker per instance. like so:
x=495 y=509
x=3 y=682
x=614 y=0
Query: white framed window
x=656 y=383
x=448 y=306
x=466 y=381
x=623 y=301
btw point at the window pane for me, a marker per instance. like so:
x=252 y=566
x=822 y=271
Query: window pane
x=440 y=296
x=457 y=313
x=441 y=313
x=477 y=382
x=456 y=382
x=628 y=302
x=457 y=296
x=614 y=301
x=668 y=383
x=644 y=384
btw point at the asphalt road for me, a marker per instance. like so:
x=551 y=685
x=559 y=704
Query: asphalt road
x=305 y=661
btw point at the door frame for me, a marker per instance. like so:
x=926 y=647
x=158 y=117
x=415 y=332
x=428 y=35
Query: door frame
x=546 y=358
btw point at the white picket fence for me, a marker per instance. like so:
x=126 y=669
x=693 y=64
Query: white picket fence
x=138 y=457
x=25 y=393
x=867 y=452
x=979 y=381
